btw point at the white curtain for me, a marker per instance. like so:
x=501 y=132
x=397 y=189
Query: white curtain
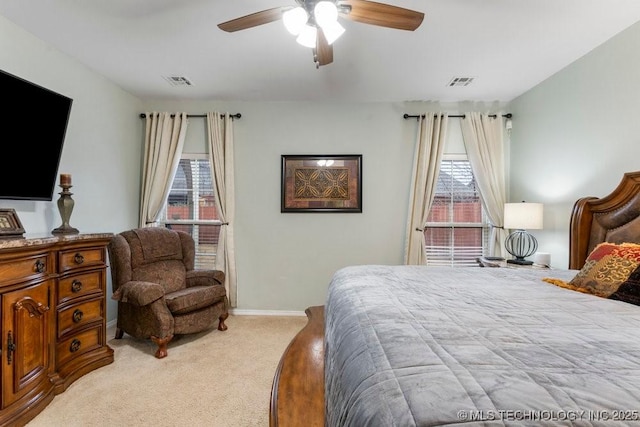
x=220 y=139
x=484 y=141
x=163 y=142
x=426 y=167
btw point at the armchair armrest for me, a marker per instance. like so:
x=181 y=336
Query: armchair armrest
x=138 y=293
x=205 y=278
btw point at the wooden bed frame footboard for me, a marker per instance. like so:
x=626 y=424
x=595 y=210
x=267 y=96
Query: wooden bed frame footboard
x=297 y=392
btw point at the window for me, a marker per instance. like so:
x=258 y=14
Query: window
x=191 y=207
x=456 y=232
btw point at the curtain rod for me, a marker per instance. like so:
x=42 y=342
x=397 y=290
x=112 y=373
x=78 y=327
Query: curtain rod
x=408 y=116
x=233 y=116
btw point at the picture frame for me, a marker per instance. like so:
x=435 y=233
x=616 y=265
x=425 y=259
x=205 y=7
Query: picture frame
x=10 y=225
x=321 y=183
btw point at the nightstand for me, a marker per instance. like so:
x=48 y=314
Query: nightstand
x=486 y=262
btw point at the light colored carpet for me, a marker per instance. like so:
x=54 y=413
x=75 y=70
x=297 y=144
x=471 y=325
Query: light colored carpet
x=208 y=379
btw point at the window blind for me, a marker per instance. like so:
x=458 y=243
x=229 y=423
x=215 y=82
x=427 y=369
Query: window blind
x=191 y=208
x=456 y=232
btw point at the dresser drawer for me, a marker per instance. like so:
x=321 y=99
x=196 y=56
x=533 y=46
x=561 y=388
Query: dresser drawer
x=81 y=258
x=26 y=268
x=79 y=285
x=79 y=344
x=78 y=315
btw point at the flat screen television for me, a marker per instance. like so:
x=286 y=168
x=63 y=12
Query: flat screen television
x=34 y=122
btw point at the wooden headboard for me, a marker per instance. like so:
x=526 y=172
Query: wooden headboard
x=614 y=218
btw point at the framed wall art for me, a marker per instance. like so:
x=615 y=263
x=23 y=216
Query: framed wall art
x=10 y=225
x=321 y=183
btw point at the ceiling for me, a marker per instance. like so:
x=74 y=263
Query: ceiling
x=507 y=46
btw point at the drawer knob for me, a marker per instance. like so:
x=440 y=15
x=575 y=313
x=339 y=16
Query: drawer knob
x=78 y=258
x=39 y=266
x=77 y=316
x=75 y=346
x=76 y=286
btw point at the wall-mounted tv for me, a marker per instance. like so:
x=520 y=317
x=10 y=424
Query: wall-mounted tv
x=33 y=124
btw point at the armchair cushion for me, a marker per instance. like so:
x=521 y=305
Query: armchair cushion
x=170 y=274
x=193 y=298
x=138 y=293
x=205 y=278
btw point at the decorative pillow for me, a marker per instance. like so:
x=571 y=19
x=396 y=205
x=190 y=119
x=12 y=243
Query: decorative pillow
x=605 y=269
x=629 y=290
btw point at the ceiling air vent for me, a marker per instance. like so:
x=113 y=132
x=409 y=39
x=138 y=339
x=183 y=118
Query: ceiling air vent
x=460 y=81
x=178 y=80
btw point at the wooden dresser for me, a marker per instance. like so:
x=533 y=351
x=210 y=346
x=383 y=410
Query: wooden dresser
x=53 y=313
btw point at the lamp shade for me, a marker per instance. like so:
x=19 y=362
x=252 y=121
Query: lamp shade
x=307 y=36
x=523 y=216
x=332 y=31
x=325 y=12
x=295 y=19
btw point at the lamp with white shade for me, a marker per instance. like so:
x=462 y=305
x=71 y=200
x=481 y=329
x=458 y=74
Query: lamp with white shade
x=521 y=217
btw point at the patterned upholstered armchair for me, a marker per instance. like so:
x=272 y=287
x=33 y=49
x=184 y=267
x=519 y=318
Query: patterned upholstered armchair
x=159 y=292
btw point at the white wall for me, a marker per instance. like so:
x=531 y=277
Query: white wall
x=102 y=149
x=285 y=260
x=575 y=134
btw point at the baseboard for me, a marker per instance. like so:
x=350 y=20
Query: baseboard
x=247 y=312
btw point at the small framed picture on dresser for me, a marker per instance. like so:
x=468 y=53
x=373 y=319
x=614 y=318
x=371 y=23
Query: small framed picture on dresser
x=10 y=225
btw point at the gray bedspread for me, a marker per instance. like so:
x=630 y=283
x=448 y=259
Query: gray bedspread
x=428 y=346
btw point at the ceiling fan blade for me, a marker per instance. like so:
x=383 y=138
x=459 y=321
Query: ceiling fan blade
x=381 y=14
x=253 y=20
x=323 y=52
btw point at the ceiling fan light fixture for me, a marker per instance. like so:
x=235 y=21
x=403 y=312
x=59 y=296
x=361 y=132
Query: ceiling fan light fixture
x=314 y=23
x=325 y=13
x=307 y=36
x=295 y=19
x=333 y=31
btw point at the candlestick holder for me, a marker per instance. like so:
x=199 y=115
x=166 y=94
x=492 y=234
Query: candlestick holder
x=65 y=206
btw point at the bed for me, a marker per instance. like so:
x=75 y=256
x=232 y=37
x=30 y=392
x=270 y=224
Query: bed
x=427 y=346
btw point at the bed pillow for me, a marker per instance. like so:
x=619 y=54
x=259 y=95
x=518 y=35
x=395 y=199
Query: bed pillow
x=606 y=268
x=629 y=290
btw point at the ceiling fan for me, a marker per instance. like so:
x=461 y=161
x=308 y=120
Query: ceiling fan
x=315 y=22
